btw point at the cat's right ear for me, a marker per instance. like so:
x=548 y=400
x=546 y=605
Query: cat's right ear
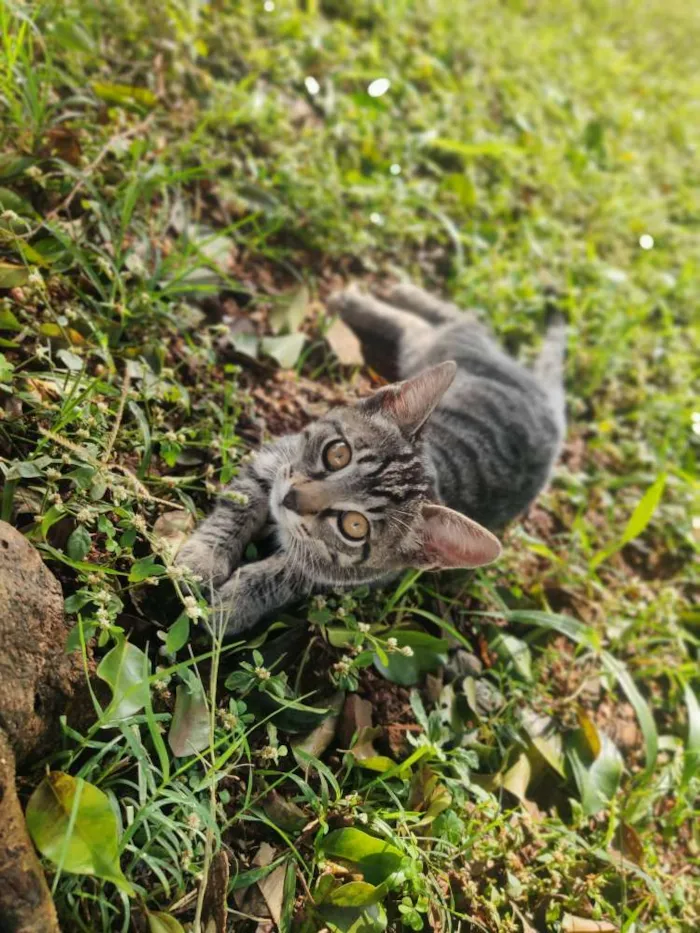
x=451 y=541
x=411 y=403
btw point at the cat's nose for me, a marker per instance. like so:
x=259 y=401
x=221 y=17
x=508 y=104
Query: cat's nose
x=291 y=500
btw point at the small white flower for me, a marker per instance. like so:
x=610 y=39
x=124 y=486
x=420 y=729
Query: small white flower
x=193 y=822
x=407 y=651
x=262 y=673
x=85 y=516
x=362 y=817
x=139 y=523
x=391 y=644
x=36 y=279
x=344 y=666
x=192 y=609
x=119 y=494
x=340 y=612
x=227 y=719
x=103 y=618
x=364 y=627
x=239 y=498
x=57 y=500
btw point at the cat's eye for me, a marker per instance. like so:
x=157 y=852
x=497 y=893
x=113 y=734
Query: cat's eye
x=336 y=455
x=353 y=525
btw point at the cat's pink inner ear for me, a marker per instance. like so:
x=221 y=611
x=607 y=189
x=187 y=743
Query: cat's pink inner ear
x=452 y=541
x=410 y=403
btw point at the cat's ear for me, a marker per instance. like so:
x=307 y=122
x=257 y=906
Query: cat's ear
x=410 y=403
x=450 y=541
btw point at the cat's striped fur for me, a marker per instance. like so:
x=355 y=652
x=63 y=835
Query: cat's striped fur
x=412 y=476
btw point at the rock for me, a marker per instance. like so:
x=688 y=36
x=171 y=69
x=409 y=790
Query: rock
x=37 y=681
x=37 y=678
x=25 y=900
x=462 y=663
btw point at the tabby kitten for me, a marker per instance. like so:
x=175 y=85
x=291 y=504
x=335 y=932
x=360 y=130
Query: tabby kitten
x=411 y=477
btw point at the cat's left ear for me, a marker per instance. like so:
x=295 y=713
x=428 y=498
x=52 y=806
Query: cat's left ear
x=410 y=403
x=450 y=541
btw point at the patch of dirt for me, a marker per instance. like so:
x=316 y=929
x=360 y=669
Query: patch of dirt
x=390 y=702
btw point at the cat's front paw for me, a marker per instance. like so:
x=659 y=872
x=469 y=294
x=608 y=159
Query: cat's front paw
x=209 y=567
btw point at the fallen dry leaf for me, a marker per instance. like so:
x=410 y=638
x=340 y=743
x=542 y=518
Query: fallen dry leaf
x=173 y=529
x=272 y=886
x=572 y=924
x=344 y=344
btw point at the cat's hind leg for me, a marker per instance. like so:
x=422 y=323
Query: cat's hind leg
x=388 y=334
x=424 y=305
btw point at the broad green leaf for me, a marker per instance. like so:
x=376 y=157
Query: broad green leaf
x=597 y=778
x=144 y=568
x=178 y=633
x=6 y=369
x=159 y=922
x=189 y=730
x=546 y=737
x=126 y=669
x=10 y=201
x=589 y=733
x=639 y=520
x=513 y=652
x=517 y=778
x=124 y=94
x=79 y=543
x=289 y=315
x=285 y=350
x=12 y=275
x=691 y=757
x=8 y=320
x=72 y=823
x=428 y=653
x=356 y=894
x=370 y=919
x=375 y=858
x=380 y=763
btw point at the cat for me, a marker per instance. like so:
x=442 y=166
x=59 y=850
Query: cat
x=420 y=474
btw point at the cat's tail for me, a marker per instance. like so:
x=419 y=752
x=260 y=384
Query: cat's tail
x=549 y=367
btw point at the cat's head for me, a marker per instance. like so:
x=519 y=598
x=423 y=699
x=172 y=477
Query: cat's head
x=357 y=499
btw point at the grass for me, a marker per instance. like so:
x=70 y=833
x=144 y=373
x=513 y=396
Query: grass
x=169 y=174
